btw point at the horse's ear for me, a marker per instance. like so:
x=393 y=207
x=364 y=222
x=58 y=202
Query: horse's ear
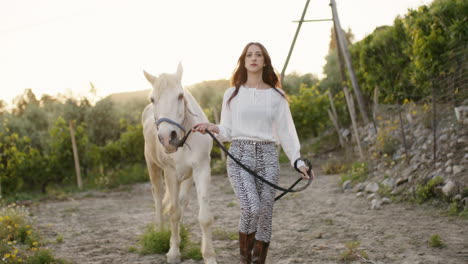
x=152 y=79
x=179 y=72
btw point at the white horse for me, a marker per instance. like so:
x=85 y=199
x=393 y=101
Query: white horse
x=177 y=166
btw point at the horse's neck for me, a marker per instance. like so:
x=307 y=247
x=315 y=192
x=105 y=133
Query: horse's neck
x=190 y=119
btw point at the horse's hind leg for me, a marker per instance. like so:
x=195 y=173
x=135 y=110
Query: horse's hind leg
x=202 y=178
x=157 y=188
x=173 y=186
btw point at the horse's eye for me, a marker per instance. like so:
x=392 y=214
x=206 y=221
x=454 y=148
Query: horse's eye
x=152 y=100
x=181 y=96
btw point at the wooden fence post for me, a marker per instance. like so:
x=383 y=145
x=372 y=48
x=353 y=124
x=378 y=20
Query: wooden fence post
x=375 y=108
x=352 y=113
x=334 y=117
x=75 y=156
x=335 y=124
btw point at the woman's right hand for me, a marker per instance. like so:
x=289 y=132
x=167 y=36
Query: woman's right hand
x=202 y=127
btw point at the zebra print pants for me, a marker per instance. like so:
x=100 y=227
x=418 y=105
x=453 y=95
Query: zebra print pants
x=256 y=198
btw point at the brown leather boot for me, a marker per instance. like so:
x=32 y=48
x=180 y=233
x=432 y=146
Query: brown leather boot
x=260 y=252
x=246 y=242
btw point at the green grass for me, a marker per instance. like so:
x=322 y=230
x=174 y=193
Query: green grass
x=19 y=241
x=435 y=241
x=357 y=173
x=334 y=166
x=427 y=191
x=155 y=241
x=352 y=252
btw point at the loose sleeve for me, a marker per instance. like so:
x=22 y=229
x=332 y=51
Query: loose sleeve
x=286 y=133
x=225 y=126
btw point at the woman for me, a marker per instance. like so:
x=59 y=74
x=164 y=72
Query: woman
x=255 y=115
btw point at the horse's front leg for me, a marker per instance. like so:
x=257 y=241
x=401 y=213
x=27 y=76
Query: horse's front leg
x=173 y=187
x=202 y=178
x=157 y=188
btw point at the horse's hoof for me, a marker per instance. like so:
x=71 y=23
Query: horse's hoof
x=173 y=258
x=211 y=261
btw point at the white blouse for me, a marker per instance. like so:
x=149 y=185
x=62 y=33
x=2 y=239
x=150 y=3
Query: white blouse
x=259 y=115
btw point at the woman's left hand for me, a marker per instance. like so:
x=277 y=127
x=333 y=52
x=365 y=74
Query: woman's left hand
x=305 y=174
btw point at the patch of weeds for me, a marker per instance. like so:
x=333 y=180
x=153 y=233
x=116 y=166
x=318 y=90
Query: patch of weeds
x=231 y=204
x=353 y=252
x=334 y=167
x=19 y=242
x=329 y=221
x=222 y=234
x=59 y=239
x=43 y=257
x=384 y=190
x=386 y=143
x=155 y=241
x=464 y=213
x=132 y=249
x=456 y=209
x=357 y=173
x=427 y=191
x=435 y=241
x=192 y=251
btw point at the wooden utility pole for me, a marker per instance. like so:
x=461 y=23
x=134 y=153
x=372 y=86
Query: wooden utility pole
x=75 y=156
x=294 y=40
x=343 y=46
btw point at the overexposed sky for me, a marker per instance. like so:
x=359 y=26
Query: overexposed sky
x=60 y=46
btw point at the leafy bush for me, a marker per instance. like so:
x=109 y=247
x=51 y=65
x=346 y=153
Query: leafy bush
x=357 y=173
x=309 y=111
x=436 y=241
x=334 y=167
x=19 y=242
x=427 y=191
x=387 y=143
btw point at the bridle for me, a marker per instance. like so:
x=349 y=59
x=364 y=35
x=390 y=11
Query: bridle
x=284 y=190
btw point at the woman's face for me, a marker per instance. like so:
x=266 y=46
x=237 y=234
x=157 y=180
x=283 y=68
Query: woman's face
x=254 y=60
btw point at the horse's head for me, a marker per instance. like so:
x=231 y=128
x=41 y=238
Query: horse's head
x=170 y=107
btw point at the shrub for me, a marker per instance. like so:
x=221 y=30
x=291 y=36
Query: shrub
x=19 y=242
x=427 y=191
x=334 y=167
x=353 y=252
x=357 y=173
x=436 y=241
x=386 y=142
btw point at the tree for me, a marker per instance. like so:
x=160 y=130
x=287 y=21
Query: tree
x=103 y=123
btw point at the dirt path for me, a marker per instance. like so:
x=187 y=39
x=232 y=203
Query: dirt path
x=309 y=227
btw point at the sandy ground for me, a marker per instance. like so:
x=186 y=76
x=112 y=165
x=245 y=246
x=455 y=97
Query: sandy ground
x=310 y=227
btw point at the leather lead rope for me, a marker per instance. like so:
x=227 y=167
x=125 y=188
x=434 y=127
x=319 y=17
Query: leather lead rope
x=284 y=190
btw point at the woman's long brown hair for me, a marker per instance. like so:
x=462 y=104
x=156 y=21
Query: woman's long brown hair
x=269 y=76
